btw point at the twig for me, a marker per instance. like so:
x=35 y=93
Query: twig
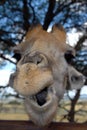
x=5 y=58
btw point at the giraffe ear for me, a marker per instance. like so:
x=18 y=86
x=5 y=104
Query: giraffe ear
x=11 y=80
x=76 y=79
x=59 y=32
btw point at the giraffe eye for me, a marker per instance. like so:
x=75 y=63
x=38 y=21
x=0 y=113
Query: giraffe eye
x=69 y=57
x=17 y=56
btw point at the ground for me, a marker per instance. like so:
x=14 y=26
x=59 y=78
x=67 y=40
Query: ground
x=15 y=110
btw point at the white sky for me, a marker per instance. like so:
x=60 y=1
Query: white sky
x=4 y=77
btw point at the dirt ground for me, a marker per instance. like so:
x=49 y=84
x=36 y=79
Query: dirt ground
x=16 y=111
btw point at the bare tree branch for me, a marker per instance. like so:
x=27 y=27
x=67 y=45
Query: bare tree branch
x=80 y=42
x=50 y=14
x=26 y=15
x=71 y=114
x=5 y=58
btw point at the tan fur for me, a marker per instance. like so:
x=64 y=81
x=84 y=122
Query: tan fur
x=32 y=79
x=43 y=65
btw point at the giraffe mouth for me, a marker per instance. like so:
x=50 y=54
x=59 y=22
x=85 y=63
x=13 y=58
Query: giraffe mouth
x=42 y=97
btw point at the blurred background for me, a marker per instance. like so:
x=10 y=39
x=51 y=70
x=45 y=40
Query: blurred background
x=16 y=17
